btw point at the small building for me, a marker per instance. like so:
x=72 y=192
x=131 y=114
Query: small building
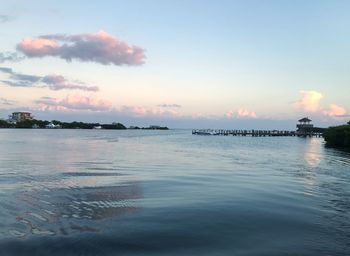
x=20 y=117
x=52 y=126
x=304 y=127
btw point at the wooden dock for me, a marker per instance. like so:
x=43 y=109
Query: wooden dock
x=256 y=133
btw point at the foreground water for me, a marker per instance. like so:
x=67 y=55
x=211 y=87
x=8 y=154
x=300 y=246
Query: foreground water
x=98 y=192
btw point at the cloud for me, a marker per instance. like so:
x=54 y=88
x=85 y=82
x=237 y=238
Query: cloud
x=169 y=106
x=10 y=56
x=241 y=113
x=58 y=82
x=7 y=102
x=17 y=83
x=309 y=102
x=245 y=113
x=97 y=47
x=81 y=103
x=334 y=111
x=74 y=102
x=4 y=18
x=53 y=82
x=25 y=78
x=6 y=70
x=140 y=111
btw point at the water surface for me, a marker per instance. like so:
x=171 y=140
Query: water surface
x=99 y=192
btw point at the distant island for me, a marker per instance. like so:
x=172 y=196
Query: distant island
x=152 y=127
x=338 y=136
x=26 y=120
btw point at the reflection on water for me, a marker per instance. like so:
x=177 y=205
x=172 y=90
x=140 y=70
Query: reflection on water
x=312 y=153
x=331 y=183
x=168 y=192
x=63 y=190
x=68 y=210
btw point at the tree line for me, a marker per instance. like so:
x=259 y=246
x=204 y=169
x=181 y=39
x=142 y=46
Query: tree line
x=338 y=136
x=64 y=125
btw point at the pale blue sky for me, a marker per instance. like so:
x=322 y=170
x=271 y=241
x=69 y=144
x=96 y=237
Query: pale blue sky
x=210 y=57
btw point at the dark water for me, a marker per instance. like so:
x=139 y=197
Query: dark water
x=76 y=192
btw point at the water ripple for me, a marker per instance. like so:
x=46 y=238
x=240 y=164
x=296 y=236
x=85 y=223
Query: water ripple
x=155 y=192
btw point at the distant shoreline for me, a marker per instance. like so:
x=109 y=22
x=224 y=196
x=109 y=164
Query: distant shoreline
x=44 y=124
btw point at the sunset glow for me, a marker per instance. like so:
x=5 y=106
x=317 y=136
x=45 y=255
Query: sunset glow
x=219 y=71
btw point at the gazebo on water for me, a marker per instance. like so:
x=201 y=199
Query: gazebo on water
x=305 y=127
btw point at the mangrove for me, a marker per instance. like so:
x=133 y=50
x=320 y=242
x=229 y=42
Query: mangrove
x=338 y=136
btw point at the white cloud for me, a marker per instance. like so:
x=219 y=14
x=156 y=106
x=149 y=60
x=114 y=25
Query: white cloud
x=309 y=101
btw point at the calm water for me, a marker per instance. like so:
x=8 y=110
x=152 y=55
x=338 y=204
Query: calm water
x=77 y=192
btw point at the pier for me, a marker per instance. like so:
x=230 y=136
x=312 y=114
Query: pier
x=304 y=129
x=255 y=133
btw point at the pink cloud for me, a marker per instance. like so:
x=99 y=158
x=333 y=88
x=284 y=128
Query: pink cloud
x=230 y=114
x=245 y=113
x=334 y=110
x=74 y=102
x=309 y=101
x=140 y=111
x=97 y=47
x=241 y=113
x=37 y=47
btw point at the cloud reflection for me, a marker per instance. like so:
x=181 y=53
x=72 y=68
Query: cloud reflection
x=65 y=211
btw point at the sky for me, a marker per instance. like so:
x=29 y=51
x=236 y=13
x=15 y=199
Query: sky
x=180 y=63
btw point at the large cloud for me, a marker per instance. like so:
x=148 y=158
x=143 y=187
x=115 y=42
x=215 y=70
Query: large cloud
x=53 y=82
x=93 y=47
x=309 y=101
x=74 y=102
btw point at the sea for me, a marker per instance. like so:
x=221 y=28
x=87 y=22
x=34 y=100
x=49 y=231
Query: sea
x=143 y=192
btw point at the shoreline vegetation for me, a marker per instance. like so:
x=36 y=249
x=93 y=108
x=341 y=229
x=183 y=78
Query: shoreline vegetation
x=335 y=136
x=54 y=124
x=338 y=136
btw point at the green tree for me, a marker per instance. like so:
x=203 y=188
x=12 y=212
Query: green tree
x=338 y=136
x=4 y=124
